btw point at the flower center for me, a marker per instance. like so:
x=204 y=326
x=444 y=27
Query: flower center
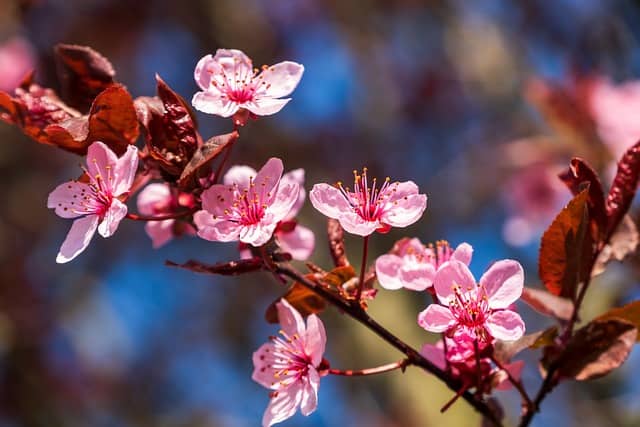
x=369 y=202
x=439 y=254
x=249 y=204
x=471 y=308
x=99 y=198
x=239 y=84
x=290 y=360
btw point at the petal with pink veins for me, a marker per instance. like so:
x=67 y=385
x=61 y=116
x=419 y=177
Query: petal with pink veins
x=211 y=103
x=109 y=224
x=266 y=106
x=290 y=320
x=269 y=176
x=285 y=198
x=280 y=79
x=405 y=211
x=215 y=230
x=125 y=171
x=99 y=157
x=299 y=242
x=354 y=224
x=450 y=274
x=315 y=339
x=418 y=278
x=503 y=282
x=239 y=175
x=436 y=318
x=309 y=401
x=283 y=405
x=329 y=200
x=388 y=271
x=256 y=234
x=217 y=198
x=67 y=199
x=78 y=238
x=505 y=325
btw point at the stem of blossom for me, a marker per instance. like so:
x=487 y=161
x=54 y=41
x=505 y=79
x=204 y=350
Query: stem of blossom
x=455 y=398
x=173 y=215
x=516 y=383
x=401 y=364
x=354 y=309
x=363 y=267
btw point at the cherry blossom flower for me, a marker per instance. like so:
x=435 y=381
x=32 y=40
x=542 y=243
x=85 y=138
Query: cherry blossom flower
x=229 y=82
x=16 y=60
x=249 y=208
x=368 y=209
x=157 y=199
x=295 y=239
x=412 y=265
x=288 y=365
x=478 y=309
x=96 y=203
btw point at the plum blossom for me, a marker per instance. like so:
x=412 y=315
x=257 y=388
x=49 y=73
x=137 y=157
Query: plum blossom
x=412 y=265
x=157 y=199
x=16 y=60
x=480 y=310
x=295 y=239
x=229 y=83
x=96 y=204
x=289 y=364
x=368 y=208
x=249 y=208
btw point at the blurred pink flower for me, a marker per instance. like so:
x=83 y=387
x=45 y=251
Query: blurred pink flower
x=368 y=209
x=249 y=209
x=412 y=265
x=96 y=202
x=157 y=199
x=295 y=239
x=229 y=82
x=16 y=61
x=480 y=310
x=288 y=365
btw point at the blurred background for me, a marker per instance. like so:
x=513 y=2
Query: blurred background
x=480 y=103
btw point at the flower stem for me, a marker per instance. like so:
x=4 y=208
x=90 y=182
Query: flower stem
x=517 y=384
x=172 y=215
x=363 y=267
x=401 y=364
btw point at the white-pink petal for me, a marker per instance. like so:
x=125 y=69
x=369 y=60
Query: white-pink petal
x=265 y=106
x=160 y=232
x=505 y=325
x=78 y=238
x=299 y=242
x=281 y=79
x=309 y=401
x=212 y=103
x=354 y=224
x=125 y=171
x=436 y=318
x=450 y=274
x=100 y=159
x=329 y=201
x=290 y=320
x=405 y=211
x=68 y=198
x=152 y=198
x=503 y=282
x=239 y=175
x=417 y=277
x=388 y=271
x=315 y=339
x=463 y=253
x=283 y=405
x=109 y=224
x=295 y=176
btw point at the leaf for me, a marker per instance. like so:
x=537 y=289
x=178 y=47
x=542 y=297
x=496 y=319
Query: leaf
x=504 y=351
x=336 y=243
x=199 y=165
x=547 y=303
x=301 y=298
x=8 y=110
x=623 y=188
x=83 y=73
x=339 y=276
x=576 y=177
x=566 y=248
x=177 y=109
x=622 y=242
x=629 y=312
x=231 y=268
x=113 y=119
x=597 y=349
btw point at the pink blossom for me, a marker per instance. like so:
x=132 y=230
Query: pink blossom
x=368 y=209
x=157 y=199
x=16 y=60
x=96 y=204
x=480 y=310
x=288 y=365
x=229 y=82
x=293 y=238
x=248 y=208
x=412 y=265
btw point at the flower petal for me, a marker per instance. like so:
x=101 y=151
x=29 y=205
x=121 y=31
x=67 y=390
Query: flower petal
x=239 y=175
x=463 y=253
x=355 y=224
x=283 y=405
x=67 y=199
x=212 y=103
x=434 y=353
x=309 y=401
x=505 y=325
x=215 y=230
x=503 y=282
x=280 y=79
x=388 y=271
x=153 y=199
x=160 y=232
x=417 y=278
x=295 y=176
x=78 y=238
x=286 y=197
x=269 y=175
x=99 y=157
x=257 y=234
x=125 y=171
x=263 y=373
x=109 y=224
x=449 y=274
x=299 y=242
x=329 y=200
x=218 y=198
x=436 y=318
x=315 y=339
x=405 y=211
x=265 y=106
x=290 y=320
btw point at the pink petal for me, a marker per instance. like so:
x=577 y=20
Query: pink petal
x=215 y=230
x=354 y=224
x=449 y=274
x=155 y=197
x=503 y=282
x=269 y=176
x=78 y=238
x=463 y=253
x=286 y=197
x=205 y=68
x=160 y=232
x=329 y=200
x=434 y=354
x=283 y=405
x=211 y=103
x=217 y=198
x=413 y=245
x=299 y=242
x=417 y=278
x=315 y=339
x=256 y=234
x=388 y=271
x=109 y=224
x=99 y=156
x=262 y=373
x=505 y=325
x=406 y=211
x=234 y=61
x=125 y=171
x=295 y=176
x=66 y=199
x=239 y=175
x=265 y=106
x=281 y=79
x=309 y=401
x=436 y=318
x=292 y=323
x=402 y=190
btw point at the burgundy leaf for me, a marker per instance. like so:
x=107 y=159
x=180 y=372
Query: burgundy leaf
x=200 y=164
x=629 y=312
x=504 y=351
x=547 y=303
x=623 y=188
x=301 y=298
x=622 y=242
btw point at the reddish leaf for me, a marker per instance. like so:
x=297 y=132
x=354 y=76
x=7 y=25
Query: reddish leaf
x=576 y=177
x=339 y=276
x=623 y=188
x=232 y=268
x=8 y=110
x=200 y=164
x=566 y=248
x=336 y=243
x=629 y=312
x=178 y=111
x=547 y=303
x=301 y=298
x=83 y=73
x=504 y=351
x=597 y=349
x=622 y=242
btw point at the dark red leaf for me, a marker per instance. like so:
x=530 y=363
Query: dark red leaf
x=622 y=242
x=83 y=73
x=547 y=303
x=232 y=268
x=566 y=249
x=113 y=119
x=597 y=349
x=336 y=243
x=623 y=188
x=629 y=312
x=200 y=164
x=301 y=298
